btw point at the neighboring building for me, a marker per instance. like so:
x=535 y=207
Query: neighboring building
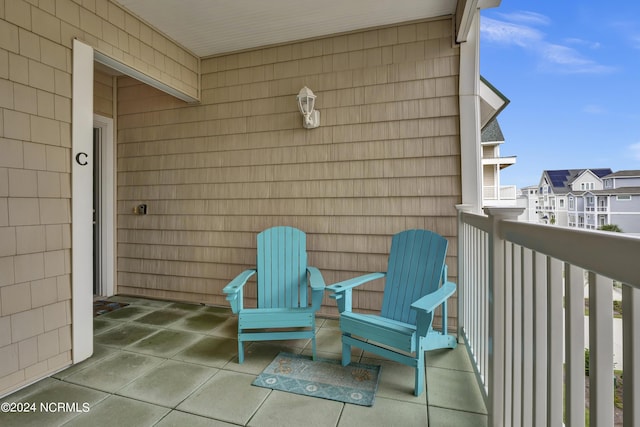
x=199 y=145
x=590 y=198
x=617 y=203
x=493 y=192
x=554 y=189
x=528 y=199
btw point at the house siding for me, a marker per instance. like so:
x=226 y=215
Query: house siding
x=35 y=163
x=385 y=158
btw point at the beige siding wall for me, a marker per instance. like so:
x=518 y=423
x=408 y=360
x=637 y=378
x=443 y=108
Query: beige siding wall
x=385 y=158
x=103 y=94
x=35 y=150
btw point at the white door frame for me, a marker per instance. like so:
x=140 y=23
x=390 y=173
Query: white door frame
x=106 y=215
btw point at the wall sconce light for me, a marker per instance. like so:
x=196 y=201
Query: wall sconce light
x=306 y=103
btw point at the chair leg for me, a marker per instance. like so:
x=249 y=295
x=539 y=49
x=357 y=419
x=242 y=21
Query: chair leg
x=346 y=353
x=419 y=386
x=313 y=347
x=240 y=351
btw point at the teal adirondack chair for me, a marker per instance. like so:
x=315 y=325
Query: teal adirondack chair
x=415 y=285
x=284 y=298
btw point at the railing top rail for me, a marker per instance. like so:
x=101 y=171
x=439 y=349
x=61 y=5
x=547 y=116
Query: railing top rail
x=613 y=255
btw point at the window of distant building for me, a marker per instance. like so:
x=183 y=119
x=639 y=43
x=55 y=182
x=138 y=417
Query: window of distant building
x=623 y=197
x=587 y=186
x=590 y=200
x=561 y=203
x=571 y=203
x=608 y=183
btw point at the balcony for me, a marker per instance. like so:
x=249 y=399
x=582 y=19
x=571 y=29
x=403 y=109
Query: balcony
x=527 y=346
x=162 y=363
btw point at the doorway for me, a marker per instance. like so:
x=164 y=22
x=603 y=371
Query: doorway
x=103 y=207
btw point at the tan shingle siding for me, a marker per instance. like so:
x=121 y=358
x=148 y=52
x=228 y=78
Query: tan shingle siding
x=385 y=158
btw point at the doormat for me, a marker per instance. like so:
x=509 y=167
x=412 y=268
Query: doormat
x=104 y=306
x=325 y=378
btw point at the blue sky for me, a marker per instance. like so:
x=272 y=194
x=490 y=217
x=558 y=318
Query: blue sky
x=571 y=70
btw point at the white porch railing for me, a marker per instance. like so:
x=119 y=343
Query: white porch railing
x=504 y=192
x=526 y=344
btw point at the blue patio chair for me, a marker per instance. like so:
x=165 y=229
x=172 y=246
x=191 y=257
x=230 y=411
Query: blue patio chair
x=286 y=307
x=415 y=285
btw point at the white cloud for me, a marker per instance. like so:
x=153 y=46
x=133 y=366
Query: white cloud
x=635 y=150
x=526 y=17
x=519 y=29
x=509 y=33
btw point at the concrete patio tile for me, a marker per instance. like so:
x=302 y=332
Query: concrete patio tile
x=183 y=419
x=442 y=417
x=456 y=358
x=227 y=396
x=201 y=322
x=113 y=373
x=101 y=324
x=185 y=306
x=145 y=302
x=258 y=355
x=397 y=381
x=210 y=309
x=291 y=410
x=162 y=317
x=45 y=399
x=329 y=340
x=227 y=329
x=124 y=335
x=453 y=389
x=121 y=412
x=384 y=412
x=100 y=352
x=129 y=312
x=168 y=384
x=210 y=351
x=164 y=343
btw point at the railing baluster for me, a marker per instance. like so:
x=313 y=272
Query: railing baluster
x=540 y=309
x=527 y=338
x=574 y=345
x=631 y=349
x=600 y=351
x=517 y=336
x=508 y=332
x=554 y=336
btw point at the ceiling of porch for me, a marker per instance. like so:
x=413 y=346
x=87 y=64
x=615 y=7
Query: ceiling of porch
x=212 y=27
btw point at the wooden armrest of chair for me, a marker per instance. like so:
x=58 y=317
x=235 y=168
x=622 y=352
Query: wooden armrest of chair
x=348 y=285
x=430 y=302
x=234 y=289
x=316 y=279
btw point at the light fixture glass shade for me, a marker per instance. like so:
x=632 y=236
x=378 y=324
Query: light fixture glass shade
x=306 y=105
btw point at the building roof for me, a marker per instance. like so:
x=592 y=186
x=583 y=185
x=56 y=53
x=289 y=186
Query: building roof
x=625 y=173
x=492 y=132
x=621 y=190
x=561 y=179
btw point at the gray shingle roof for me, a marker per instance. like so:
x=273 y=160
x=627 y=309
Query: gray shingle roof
x=625 y=173
x=562 y=179
x=492 y=132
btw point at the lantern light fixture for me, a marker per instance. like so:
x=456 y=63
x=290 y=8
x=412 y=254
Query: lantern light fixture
x=306 y=104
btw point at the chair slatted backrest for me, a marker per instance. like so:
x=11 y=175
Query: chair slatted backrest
x=416 y=263
x=282 y=268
